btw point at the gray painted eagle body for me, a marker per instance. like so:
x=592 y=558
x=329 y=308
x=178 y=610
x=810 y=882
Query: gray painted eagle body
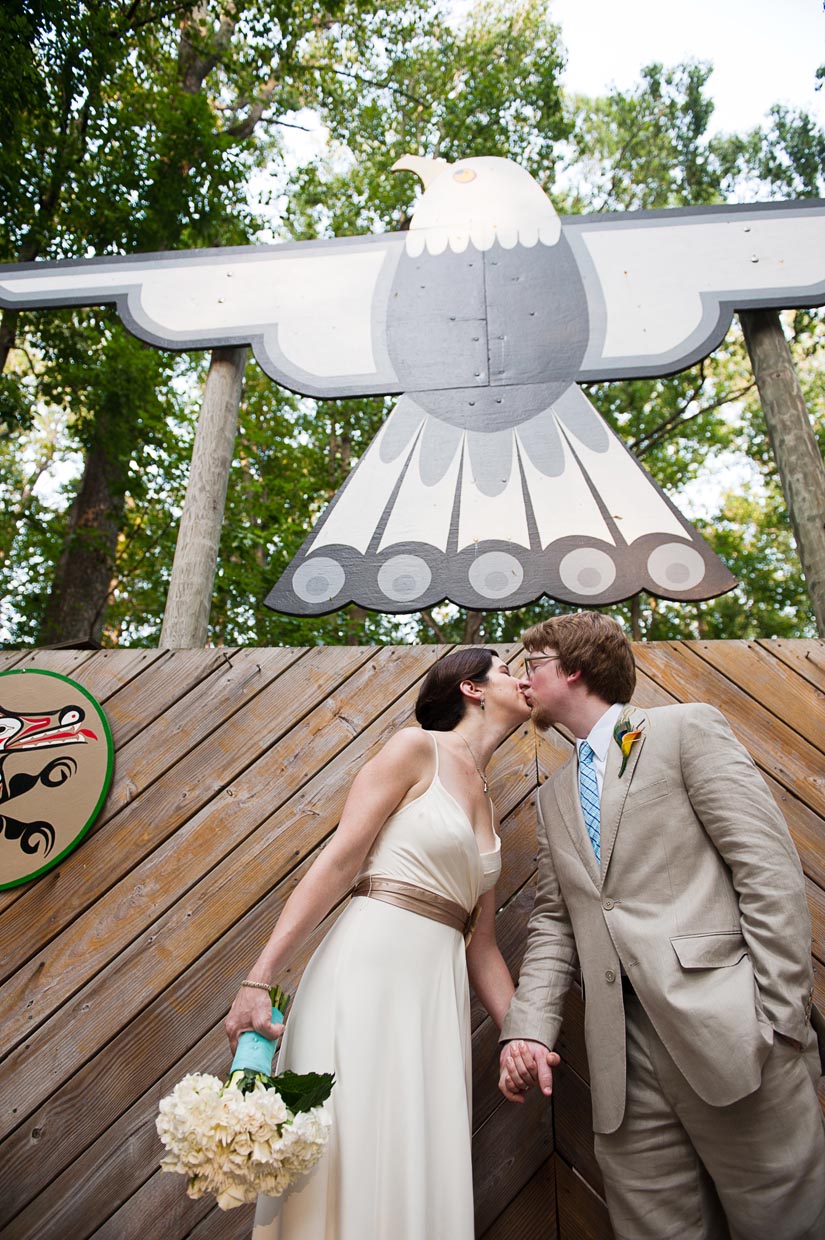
x=494 y=480
x=498 y=319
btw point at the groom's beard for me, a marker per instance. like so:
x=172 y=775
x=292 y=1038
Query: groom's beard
x=543 y=718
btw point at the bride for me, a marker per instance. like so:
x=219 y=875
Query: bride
x=384 y=1001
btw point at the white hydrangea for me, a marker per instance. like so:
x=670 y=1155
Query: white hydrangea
x=237 y=1145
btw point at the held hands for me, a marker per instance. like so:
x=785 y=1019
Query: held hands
x=524 y=1064
x=252 y=1010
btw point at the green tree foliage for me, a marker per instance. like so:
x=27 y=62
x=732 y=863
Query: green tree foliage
x=138 y=127
x=647 y=147
x=113 y=149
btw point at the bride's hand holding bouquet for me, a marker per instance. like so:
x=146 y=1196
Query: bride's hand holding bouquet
x=253 y=1133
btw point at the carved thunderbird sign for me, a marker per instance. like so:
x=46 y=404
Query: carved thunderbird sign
x=494 y=480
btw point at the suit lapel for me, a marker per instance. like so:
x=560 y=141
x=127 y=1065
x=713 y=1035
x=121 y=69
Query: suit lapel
x=615 y=789
x=566 y=787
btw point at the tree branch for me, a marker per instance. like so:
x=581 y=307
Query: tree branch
x=128 y=25
x=668 y=423
x=427 y=617
x=194 y=65
x=666 y=428
x=386 y=84
x=244 y=128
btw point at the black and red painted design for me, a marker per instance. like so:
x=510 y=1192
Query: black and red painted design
x=56 y=763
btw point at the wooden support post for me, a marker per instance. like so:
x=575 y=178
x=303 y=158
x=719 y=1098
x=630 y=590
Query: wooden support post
x=186 y=618
x=794 y=445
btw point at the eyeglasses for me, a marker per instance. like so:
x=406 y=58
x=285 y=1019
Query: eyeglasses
x=530 y=659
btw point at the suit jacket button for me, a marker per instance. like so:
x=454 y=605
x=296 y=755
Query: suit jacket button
x=610 y=976
x=608 y=904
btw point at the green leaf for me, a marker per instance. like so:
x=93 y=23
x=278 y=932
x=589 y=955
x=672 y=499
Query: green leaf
x=303 y=1091
x=245 y=1079
x=279 y=999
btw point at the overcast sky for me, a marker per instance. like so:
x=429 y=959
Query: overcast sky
x=762 y=51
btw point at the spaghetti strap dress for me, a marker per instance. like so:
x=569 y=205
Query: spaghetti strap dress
x=384 y=1004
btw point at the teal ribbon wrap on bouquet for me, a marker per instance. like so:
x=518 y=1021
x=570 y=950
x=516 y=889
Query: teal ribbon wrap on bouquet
x=254 y=1052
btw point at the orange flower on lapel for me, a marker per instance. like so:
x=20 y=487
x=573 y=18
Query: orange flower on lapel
x=625 y=736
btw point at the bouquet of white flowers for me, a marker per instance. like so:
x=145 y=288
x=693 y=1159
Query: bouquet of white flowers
x=253 y=1134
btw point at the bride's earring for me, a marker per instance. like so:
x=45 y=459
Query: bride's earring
x=482 y=701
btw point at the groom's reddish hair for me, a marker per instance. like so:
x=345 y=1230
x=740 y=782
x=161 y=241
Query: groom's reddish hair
x=593 y=644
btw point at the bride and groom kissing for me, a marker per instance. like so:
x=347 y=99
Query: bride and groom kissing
x=668 y=885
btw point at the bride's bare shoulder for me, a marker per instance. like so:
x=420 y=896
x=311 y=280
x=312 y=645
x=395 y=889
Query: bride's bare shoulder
x=409 y=743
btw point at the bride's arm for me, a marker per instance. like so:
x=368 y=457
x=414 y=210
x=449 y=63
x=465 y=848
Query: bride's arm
x=489 y=976
x=394 y=774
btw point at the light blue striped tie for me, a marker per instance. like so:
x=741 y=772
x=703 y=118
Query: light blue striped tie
x=589 y=797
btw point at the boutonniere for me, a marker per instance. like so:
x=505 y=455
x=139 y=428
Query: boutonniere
x=625 y=737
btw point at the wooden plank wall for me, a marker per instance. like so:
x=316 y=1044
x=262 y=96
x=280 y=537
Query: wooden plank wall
x=232 y=767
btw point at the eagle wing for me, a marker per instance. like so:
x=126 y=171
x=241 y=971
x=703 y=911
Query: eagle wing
x=314 y=312
x=662 y=286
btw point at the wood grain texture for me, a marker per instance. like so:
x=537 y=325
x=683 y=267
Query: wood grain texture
x=574 y=1125
x=231 y=770
x=806 y=658
x=532 y=1214
x=507 y=1151
x=582 y=1212
x=771 y=684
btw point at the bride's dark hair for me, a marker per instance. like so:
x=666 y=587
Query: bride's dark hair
x=441 y=704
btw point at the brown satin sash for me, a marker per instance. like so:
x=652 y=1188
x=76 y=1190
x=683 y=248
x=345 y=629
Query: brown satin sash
x=418 y=900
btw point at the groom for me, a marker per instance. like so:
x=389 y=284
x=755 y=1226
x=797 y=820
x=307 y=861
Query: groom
x=668 y=877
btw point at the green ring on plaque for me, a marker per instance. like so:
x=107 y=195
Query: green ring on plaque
x=57 y=759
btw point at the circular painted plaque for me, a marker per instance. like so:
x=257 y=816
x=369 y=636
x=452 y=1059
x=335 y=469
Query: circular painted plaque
x=56 y=764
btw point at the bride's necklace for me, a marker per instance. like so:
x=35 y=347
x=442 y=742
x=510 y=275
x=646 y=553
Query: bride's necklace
x=481 y=774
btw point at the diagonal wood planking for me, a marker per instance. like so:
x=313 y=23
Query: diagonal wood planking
x=231 y=770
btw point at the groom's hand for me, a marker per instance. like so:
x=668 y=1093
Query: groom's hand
x=524 y=1064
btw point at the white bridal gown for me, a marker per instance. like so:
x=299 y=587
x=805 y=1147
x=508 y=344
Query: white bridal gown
x=384 y=1004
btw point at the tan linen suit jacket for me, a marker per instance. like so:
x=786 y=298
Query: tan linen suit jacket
x=700 y=899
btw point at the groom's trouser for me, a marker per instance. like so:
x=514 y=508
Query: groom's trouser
x=675 y=1160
